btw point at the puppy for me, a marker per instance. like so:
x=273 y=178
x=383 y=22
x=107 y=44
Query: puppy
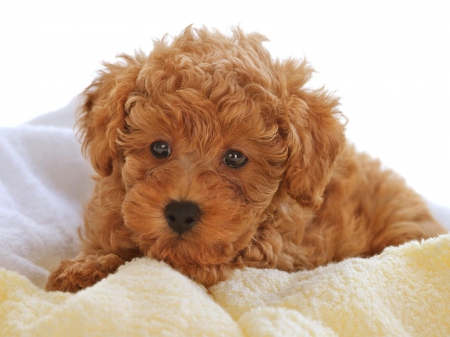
x=213 y=156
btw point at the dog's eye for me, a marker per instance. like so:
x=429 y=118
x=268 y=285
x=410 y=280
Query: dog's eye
x=235 y=159
x=160 y=149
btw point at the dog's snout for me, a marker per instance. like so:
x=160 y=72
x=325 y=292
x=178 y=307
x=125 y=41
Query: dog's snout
x=181 y=216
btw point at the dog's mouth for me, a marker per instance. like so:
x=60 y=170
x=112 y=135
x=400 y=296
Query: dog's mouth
x=187 y=235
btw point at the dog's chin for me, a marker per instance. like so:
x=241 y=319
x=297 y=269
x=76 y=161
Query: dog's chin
x=206 y=263
x=191 y=259
x=181 y=250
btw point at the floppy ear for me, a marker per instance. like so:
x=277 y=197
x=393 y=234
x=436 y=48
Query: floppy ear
x=313 y=133
x=103 y=111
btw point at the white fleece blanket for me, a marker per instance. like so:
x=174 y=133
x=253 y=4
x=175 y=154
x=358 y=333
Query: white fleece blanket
x=43 y=183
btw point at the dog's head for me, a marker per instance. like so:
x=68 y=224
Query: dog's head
x=204 y=133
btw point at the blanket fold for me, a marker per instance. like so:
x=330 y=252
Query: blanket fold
x=405 y=291
x=145 y=298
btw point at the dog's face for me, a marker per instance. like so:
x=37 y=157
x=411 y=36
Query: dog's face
x=203 y=135
x=198 y=180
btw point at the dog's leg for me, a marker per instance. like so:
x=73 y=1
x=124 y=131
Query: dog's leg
x=399 y=215
x=399 y=232
x=366 y=209
x=82 y=272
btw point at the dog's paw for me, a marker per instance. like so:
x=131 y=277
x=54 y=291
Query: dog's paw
x=74 y=275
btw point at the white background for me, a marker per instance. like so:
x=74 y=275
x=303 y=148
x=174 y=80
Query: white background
x=388 y=60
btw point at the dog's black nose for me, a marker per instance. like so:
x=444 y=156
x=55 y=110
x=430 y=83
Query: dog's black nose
x=181 y=215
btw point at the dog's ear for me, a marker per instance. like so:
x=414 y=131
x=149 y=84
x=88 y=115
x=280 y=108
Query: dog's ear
x=313 y=131
x=103 y=112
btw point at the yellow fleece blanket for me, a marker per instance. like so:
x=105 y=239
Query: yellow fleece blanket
x=405 y=291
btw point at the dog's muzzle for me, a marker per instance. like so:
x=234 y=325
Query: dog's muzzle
x=181 y=216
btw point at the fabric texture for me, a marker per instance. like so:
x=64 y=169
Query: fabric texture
x=402 y=292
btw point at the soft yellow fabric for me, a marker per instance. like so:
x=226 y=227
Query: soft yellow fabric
x=405 y=291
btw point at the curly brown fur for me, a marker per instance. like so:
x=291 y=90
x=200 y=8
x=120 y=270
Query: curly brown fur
x=303 y=199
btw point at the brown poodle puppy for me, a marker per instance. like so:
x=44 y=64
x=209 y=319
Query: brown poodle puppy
x=212 y=156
